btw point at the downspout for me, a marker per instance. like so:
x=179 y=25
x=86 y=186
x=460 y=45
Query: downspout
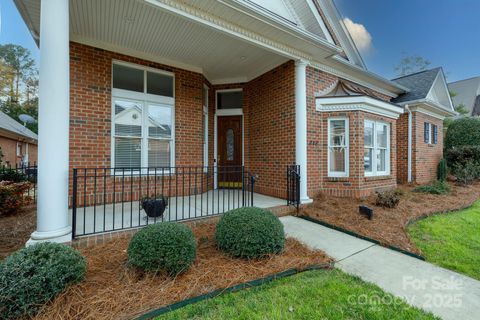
x=409 y=154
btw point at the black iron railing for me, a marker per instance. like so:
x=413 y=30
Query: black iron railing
x=111 y=199
x=293 y=186
x=20 y=173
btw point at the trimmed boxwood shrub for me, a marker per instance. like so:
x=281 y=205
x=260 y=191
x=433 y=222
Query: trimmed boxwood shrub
x=165 y=246
x=388 y=198
x=34 y=275
x=250 y=233
x=463 y=132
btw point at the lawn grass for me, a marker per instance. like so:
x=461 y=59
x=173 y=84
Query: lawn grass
x=322 y=294
x=451 y=240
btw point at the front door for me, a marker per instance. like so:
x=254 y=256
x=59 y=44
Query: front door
x=229 y=157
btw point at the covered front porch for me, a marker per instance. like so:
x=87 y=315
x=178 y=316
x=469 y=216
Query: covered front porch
x=149 y=84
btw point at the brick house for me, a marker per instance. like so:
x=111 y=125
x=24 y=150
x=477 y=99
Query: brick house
x=261 y=85
x=18 y=144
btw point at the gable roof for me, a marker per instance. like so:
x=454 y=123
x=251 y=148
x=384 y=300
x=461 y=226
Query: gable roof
x=13 y=127
x=467 y=92
x=429 y=87
x=419 y=84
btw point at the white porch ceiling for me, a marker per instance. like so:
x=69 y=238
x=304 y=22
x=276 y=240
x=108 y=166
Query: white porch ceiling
x=137 y=28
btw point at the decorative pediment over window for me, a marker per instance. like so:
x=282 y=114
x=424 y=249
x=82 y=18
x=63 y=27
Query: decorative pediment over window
x=342 y=88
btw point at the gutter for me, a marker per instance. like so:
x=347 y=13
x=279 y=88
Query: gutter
x=409 y=153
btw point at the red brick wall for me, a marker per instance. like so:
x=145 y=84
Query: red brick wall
x=356 y=185
x=271 y=123
x=425 y=157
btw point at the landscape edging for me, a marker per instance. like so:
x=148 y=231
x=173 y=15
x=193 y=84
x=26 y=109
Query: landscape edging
x=356 y=235
x=235 y=288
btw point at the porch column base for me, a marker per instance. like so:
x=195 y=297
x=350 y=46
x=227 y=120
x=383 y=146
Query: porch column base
x=306 y=200
x=61 y=236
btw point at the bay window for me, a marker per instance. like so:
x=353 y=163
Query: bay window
x=376 y=156
x=143 y=117
x=338 y=147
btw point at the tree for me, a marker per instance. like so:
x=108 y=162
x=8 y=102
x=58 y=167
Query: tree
x=411 y=64
x=21 y=65
x=18 y=83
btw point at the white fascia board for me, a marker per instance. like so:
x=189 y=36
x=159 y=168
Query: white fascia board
x=358 y=103
x=430 y=108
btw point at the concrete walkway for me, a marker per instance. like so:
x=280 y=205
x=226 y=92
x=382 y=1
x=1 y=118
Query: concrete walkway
x=445 y=293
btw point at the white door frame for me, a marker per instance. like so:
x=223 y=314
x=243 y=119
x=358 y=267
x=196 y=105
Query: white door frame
x=225 y=113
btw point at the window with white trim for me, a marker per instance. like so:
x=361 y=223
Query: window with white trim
x=430 y=133
x=143 y=117
x=338 y=147
x=376 y=156
x=205 y=127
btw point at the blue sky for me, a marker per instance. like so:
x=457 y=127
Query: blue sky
x=446 y=32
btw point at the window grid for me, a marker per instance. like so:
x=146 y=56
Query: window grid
x=377 y=149
x=343 y=146
x=148 y=141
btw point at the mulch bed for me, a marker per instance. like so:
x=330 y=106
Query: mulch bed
x=15 y=230
x=112 y=290
x=388 y=226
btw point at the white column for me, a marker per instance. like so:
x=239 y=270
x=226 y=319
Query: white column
x=53 y=124
x=301 y=126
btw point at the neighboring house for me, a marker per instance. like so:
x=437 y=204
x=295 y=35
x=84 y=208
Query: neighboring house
x=467 y=93
x=18 y=144
x=260 y=84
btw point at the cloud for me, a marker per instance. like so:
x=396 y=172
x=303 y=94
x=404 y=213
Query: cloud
x=360 y=35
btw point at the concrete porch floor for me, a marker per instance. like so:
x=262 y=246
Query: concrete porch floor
x=113 y=217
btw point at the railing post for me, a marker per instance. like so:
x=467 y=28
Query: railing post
x=243 y=186
x=74 y=203
x=252 y=182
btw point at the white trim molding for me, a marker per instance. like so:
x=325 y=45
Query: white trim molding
x=358 y=103
x=430 y=108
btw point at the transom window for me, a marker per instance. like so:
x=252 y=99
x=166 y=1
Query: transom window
x=230 y=99
x=338 y=147
x=143 y=117
x=376 y=158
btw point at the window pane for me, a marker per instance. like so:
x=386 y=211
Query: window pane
x=368 y=134
x=159 y=84
x=128 y=119
x=127 y=78
x=229 y=100
x=159 y=121
x=381 y=160
x=381 y=135
x=337 y=159
x=337 y=133
x=127 y=152
x=367 y=159
x=205 y=133
x=205 y=97
x=158 y=153
x=230 y=144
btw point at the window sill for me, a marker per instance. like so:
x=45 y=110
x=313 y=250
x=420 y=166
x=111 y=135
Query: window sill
x=374 y=178
x=338 y=179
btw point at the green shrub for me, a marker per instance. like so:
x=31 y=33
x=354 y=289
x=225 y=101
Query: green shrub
x=250 y=233
x=12 y=175
x=442 y=170
x=466 y=173
x=388 y=199
x=438 y=187
x=13 y=196
x=461 y=155
x=165 y=246
x=463 y=132
x=34 y=275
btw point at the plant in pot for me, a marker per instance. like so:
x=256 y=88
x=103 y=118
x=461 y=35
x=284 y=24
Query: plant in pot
x=154 y=206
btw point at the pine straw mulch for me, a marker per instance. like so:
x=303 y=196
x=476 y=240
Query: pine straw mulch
x=15 y=230
x=111 y=290
x=389 y=226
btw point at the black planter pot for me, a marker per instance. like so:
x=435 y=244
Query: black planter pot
x=154 y=207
